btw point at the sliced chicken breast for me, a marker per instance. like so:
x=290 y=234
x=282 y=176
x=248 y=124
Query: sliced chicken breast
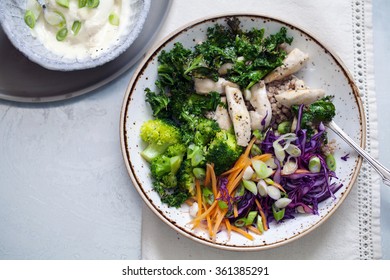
x=205 y=86
x=239 y=115
x=299 y=96
x=262 y=115
x=293 y=62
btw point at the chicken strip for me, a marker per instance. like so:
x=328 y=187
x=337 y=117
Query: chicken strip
x=239 y=115
x=299 y=96
x=293 y=62
x=205 y=86
x=262 y=115
x=221 y=115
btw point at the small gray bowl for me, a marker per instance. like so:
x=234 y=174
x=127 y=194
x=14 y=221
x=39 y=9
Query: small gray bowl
x=12 y=21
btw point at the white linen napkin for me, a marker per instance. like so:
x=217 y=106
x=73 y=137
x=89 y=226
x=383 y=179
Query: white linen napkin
x=353 y=232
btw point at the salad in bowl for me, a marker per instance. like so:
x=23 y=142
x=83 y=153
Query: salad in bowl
x=234 y=150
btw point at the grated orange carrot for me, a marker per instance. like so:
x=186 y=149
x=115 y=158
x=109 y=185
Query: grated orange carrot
x=279 y=186
x=254 y=229
x=228 y=227
x=198 y=197
x=263 y=218
x=263 y=157
x=243 y=232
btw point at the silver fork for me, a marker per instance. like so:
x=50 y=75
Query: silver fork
x=382 y=171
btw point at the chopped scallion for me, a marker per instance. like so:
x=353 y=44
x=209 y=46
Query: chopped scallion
x=113 y=18
x=278 y=213
x=63 y=3
x=331 y=162
x=82 y=3
x=55 y=18
x=61 y=34
x=93 y=3
x=29 y=19
x=76 y=26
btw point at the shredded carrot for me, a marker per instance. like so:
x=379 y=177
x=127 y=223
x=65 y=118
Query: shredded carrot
x=235 y=168
x=213 y=179
x=301 y=171
x=218 y=221
x=241 y=231
x=198 y=197
x=228 y=227
x=263 y=157
x=208 y=219
x=253 y=229
x=279 y=186
x=263 y=218
x=249 y=147
x=235 y=211
x=207 y=179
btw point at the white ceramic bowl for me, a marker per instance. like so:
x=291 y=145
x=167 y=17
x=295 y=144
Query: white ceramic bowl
x=12 y=20
x=324 y=70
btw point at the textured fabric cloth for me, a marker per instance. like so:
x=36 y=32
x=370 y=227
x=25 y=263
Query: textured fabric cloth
x=353 y=231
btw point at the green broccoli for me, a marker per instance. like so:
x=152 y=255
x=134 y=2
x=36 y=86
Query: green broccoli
x=169 y=162
x=158 y=102
x=173 y=197
x=186 y=177
x=159 y=134
x=223 y=151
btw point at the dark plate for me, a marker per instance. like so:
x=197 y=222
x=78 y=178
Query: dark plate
x=24 y=81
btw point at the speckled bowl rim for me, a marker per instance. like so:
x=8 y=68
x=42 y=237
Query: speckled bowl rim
x=123 y=120
x=107 y=56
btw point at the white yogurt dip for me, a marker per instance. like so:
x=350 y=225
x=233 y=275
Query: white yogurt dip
x=96 y=34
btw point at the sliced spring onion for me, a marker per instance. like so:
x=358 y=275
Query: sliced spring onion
x=284 y=127
x=282 y=202
x=273 y=192
x=240 y=222
x=208 y=196
x=248 y=173
x=331 y=162
x=63 y=3
x=290 y=166
x=250 y=218
x=240 y=191
x=76 y=26
x=82 y=3
x=61 y=34
x=293 y=150
x=222 y=204
x=250 y=186
x=175 y=163
x=54 y=18
x=255 y=150
x=113 y=19
x=262 y=188
x=29 y=19
x=93 y=3
x=279 y=151
x=261 y=169
x=314 y=165
x=278 y=213
x=259 y=224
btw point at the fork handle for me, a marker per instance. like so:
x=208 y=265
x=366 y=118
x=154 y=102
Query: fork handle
x=382 y=171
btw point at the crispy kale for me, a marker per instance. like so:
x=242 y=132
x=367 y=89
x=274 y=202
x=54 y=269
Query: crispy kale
x=322 y=110
x=223 y=151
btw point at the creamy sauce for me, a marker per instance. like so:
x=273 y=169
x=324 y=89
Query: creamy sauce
x=96 y=34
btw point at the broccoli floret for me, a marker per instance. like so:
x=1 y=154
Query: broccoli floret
x=173 y=197
x=196 y=155
x=169 y=162
x=159 y=134
x=205 y=131
x=186 y=177
x=223 y=151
